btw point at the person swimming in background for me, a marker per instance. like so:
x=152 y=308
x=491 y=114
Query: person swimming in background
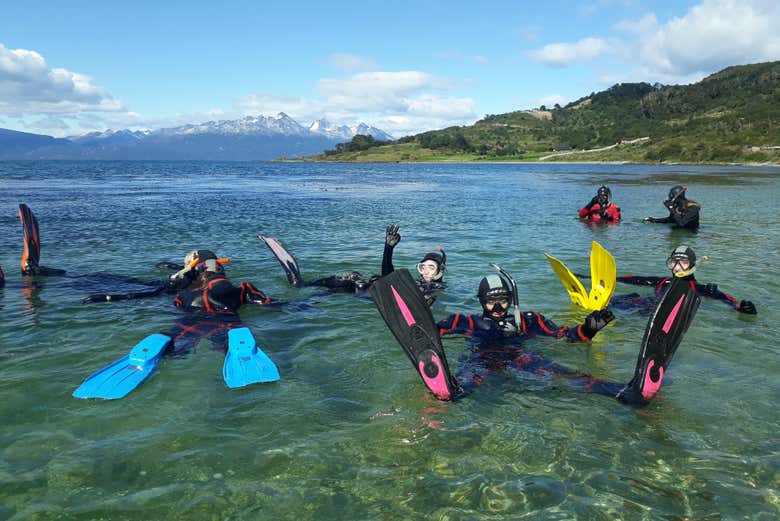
x=601 y=209
x=431 y=268
x=683 y=213
x=497 y=338
x=682 y=263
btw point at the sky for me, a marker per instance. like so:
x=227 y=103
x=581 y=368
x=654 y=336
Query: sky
x=67 y=68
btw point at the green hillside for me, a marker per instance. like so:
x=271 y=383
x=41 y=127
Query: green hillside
x=730 y=116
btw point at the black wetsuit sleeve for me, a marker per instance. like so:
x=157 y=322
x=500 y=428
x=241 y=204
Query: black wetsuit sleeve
x=387 y=260
x=456 y=324
x=667 y=219
x=712 y=291
x=104 y=297
x=639 y=281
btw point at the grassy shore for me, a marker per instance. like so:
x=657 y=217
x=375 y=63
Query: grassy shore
x=643 y=153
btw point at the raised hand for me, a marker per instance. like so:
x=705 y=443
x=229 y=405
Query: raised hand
x=392 y=237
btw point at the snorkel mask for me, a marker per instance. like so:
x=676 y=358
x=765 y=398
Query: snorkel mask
x=684 y=258
x=426 y=267
x=495 y=296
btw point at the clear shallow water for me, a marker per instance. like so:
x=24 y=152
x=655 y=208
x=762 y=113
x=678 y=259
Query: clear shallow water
x=350 y=432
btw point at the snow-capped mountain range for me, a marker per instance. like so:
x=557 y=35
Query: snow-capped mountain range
x=281 y=124
x=249 y=138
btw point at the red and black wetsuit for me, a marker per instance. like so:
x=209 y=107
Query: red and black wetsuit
x=595 y=213
x=498 y=346
x=661 y=284
x=215 y=302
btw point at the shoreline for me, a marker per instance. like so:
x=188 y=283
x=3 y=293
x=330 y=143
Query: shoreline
x=444 y=162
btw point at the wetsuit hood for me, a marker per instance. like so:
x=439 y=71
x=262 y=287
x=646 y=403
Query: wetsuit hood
x=679 y=254
x=440 y=258
x=494 y=287
x=677 y=193
x=604 y=195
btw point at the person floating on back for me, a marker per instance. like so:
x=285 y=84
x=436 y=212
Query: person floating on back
x=682 y=263
x=683 y=213
x=601 y=209
x=431 y=268
x=497 y=335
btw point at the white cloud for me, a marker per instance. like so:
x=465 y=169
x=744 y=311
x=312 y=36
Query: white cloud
x=647 y=24
x=400 y=102
x=350 y=62
x=562 y=54
x=711 y=36
x=29 y=86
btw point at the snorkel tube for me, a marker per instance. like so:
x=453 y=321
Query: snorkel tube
x=515 y=299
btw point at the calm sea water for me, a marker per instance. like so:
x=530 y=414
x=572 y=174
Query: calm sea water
x=350 y=432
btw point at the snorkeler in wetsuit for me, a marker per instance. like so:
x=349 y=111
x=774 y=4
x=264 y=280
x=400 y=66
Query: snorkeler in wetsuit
x=682 y=263
x=683 y=213
x=601 y=209
x=430 y=268
x=497 y=338
x=31 y=256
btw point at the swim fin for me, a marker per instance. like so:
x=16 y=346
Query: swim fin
x=570 y=282
x=603 y=276
x=119 y=378
x=31 y=255
x=245 y=363
x=287 y=261
x=403 y=307
x=663 y=334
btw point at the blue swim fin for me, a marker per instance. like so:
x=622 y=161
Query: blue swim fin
x=245 y=363
x=119 y=378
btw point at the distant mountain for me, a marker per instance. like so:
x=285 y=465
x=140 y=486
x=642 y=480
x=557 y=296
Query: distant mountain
x=730 y=116
x=345 y=133
x=250 y=138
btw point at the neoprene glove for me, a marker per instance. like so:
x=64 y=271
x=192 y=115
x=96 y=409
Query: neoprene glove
x=596 y=321
x=592 y=202
x=392 y=237
x=746 y=306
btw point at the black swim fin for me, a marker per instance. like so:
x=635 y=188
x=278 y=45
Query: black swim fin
x=663 y=334
x=31 y=255
x=287 y=261
x=403 y=307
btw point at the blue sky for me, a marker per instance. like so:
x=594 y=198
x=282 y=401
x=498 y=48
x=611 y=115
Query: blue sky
x=72 y=67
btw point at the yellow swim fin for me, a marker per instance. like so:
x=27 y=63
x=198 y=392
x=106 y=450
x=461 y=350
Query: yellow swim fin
x=572 y=284
x=603 y=275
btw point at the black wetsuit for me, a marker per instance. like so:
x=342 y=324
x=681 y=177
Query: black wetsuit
x=499 y=346
x=684 y=215
x=661 y=284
